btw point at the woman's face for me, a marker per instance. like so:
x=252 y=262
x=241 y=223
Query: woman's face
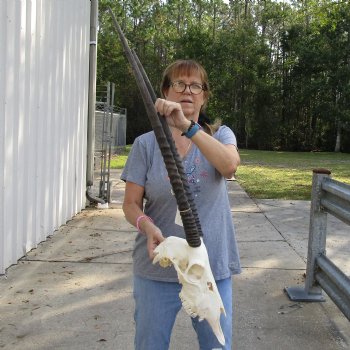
x=191 y=104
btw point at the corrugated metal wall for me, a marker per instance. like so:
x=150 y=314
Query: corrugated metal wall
x=44 y=66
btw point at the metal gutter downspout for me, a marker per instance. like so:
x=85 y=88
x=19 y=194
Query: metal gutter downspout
x=90 y=149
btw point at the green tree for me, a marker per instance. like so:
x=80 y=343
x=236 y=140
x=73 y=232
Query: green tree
x=279 y=71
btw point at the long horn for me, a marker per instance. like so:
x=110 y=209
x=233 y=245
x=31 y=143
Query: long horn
x=170 y=140
x=188 y=220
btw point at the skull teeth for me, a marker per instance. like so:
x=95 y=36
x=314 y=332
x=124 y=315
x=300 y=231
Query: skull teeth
x=187 y=307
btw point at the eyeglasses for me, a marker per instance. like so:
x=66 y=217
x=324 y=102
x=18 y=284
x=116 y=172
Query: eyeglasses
x=180 y=86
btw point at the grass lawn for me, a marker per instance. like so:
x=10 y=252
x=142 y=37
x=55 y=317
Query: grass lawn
x=287 y=175
x=277 y=175
x=118 y=161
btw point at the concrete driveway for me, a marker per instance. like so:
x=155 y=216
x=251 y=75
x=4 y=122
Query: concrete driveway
x=75 y=290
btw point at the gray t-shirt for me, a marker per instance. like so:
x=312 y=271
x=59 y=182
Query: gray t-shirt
x=145 y=167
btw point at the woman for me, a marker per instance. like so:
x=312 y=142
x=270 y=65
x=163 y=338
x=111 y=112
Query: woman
x=209 y=156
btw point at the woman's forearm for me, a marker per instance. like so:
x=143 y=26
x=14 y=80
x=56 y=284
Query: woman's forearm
x=224 y=158
x=133 y=209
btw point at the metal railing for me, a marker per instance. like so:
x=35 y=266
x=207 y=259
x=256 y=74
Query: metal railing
x=333 y=197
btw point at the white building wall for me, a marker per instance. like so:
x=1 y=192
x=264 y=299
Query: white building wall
x=44 y=67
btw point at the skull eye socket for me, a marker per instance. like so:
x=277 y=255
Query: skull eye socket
x=195 y=272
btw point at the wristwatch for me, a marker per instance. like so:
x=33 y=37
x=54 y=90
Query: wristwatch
x=192 y=130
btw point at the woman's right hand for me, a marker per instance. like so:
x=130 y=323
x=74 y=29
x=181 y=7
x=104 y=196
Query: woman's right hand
x=154 y=238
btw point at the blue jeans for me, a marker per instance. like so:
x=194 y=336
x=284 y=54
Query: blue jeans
x=157 y=304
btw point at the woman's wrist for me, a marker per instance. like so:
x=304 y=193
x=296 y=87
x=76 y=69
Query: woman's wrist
x=186 y=126
x=139 y=220
x=192 y=130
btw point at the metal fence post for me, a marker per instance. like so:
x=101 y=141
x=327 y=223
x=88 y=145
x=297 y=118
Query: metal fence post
x=317 y=242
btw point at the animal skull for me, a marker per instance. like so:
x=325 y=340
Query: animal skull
x=199 y=293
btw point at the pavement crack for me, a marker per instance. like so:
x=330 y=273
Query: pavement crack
x=75 y=261
x=260 y=240
x=276 y=228
x=100 y=229
x=107 y=254
x=272 y=268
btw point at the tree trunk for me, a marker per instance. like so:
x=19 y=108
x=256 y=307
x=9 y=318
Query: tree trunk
x=338 y=139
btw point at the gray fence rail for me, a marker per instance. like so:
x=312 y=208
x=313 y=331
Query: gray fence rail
x=332 y=197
